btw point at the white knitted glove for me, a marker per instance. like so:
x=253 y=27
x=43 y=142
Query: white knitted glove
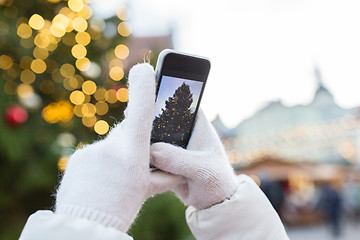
x=209 y=177
x=108 y=181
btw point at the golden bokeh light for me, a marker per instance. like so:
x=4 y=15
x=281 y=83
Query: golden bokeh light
x=110 y=96
x=27 y=76
x=63 y=161
x=40 y=53
x=10 y=87
x=76 y=5
x=124 y=29
x=101 y=108
x=58 y=29
x=88 y=110
x=123 y=12
x=62 y=20
x=67 y=70
x=77 y=97
x=6 y=62
x=121 y=51
x=61 y=111
x=83 y=64
x=122 y=95
x=38 y=66
x=24 y=90
x=80 y=24
x=101 y=127
x=78 y=51
x=36 y=22
x=89 y=121
x=83 y=38
x=78 y=110
x=86 y=12
x=100 y=94
x=79 y=79
x=116 y=73
x=89 y=87
x=24 y=30
x=71 y=83
x=42 y=40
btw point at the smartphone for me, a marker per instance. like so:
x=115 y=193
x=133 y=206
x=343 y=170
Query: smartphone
x=181 y=80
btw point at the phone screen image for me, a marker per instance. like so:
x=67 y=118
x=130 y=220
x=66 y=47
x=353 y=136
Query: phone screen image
x=175 y=110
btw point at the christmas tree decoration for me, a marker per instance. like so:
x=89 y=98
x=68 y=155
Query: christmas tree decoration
x=16 y=115
x=174 y=123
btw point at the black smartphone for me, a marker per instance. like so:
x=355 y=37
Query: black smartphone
x=181 y=80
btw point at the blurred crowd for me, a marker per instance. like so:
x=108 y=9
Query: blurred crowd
x=331 y=202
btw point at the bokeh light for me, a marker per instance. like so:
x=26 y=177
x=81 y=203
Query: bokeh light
x=124 y=29
x=36 y=22
x=77 y=97
x=121 y=51
x=101 y=127
x=89 y=87
x=122 y=95
x=116 y=73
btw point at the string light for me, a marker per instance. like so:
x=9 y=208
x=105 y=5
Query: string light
x=76 y=5
x=89 y=121
x=83 y=38
x=121 y=51
x=24 y=30
x=36 y=22
x=38 y=66
x=116 y=73
x=77 y=97
x=122 y=95
x=124 y=29
x=27 y=76
x=89 y=87
x=78 y=51
x=67 y=70
x=6 y=62
x=80 y=24
x=83 y=64
x=101 y=127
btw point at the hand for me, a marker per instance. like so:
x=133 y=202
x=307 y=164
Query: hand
x=108 y=181
x=209 y=178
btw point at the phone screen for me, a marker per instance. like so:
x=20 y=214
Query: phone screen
x=175 y=110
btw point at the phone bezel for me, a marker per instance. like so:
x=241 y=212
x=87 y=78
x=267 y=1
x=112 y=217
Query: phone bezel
x=186 y=66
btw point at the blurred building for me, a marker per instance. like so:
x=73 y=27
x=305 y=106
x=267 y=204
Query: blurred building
x=320 y=132
x=146 y=48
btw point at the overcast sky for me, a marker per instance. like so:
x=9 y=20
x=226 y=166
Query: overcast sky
x=261 y=50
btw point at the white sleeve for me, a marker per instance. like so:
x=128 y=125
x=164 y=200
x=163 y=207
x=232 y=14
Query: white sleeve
x=248 y=214
x=45 y=225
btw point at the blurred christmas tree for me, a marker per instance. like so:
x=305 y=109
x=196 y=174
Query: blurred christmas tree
x=62 y=83
x=173 y=125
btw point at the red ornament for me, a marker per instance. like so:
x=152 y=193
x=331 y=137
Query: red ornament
x=16 y=115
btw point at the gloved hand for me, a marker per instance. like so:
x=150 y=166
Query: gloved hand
x=209 y=177
x=109 y=180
